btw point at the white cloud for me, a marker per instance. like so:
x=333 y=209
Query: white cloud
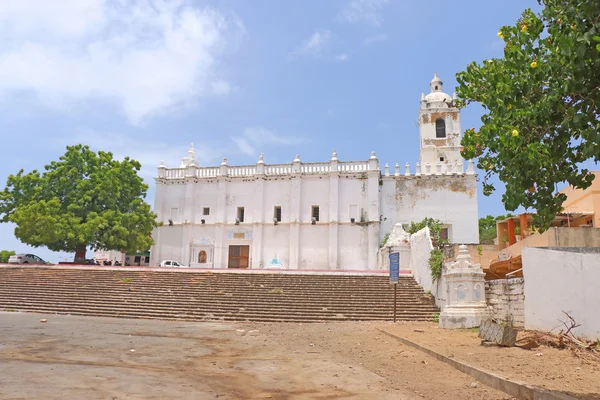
x=145 y=56
x=365 y=11
x=374 y=39
x=314 y=45
x=149 y=153
x=342 y=57
x=254 y=139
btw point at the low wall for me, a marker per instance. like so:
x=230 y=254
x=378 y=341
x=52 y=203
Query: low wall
x=558 y=280
x=420 y=249
x=506 y=299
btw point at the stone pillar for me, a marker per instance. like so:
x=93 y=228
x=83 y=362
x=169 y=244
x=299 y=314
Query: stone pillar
x=523 y=224
x=258 y=216
x=333 y=212
x=511 y=232
x=386 y=169
x=465 y=293
x=374 y=174
x=295 y=216
x=221 y=224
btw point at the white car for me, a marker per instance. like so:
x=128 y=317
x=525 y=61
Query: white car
x=172 y=263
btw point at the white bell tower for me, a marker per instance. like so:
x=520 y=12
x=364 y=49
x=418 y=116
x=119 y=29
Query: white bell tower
x=439 y=125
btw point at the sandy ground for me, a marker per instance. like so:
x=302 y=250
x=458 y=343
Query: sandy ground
x=72 y=357
x=544 y=366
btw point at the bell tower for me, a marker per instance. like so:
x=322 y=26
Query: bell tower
x=439 y=126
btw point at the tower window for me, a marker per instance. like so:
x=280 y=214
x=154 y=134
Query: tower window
x=436 y=88
x=440 y=128
x=441 y=159
x=240 y=214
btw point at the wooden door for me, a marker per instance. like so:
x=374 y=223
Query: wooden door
x=239 y=256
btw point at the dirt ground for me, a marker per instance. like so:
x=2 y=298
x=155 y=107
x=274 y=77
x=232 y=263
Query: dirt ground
x=71 y=357
x=543 y=366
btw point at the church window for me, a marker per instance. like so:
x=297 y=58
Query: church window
x=441 y=159
x=240 y=214
x=440 y=128
x=277 y=213
x=206 y=211
x=444 y=234
x=315 y=213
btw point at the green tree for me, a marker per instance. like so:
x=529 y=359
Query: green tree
x=542 y=103
x=85 y=199
x=487 y=228
x=5 y=255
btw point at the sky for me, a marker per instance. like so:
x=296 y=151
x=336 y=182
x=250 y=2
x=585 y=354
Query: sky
x=145 y=78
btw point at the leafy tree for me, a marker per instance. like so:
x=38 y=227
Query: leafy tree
x=487 y=228
x=84 y=199
x=542 y=102
x=5 y=255
x=435 y=230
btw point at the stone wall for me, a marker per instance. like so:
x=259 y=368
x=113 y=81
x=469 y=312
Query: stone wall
x=507 y=300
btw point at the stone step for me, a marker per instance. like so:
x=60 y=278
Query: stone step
x=200 y=315
x=269 y=298
x=205 y=295
x=235 y=305
x=174 y=309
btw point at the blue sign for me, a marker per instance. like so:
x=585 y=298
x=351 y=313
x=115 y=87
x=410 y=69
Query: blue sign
x=394 y=267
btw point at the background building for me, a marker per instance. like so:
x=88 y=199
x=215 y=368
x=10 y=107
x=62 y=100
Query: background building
x=328 y=215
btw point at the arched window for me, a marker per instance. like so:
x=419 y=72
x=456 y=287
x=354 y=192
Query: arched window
x=202 y=257
x=440 y=128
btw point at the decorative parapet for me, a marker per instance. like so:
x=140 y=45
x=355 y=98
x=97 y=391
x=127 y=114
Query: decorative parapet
x=297 y=167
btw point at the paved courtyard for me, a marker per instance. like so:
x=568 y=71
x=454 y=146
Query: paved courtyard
x=71 y=357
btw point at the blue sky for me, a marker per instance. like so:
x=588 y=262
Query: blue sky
x=146 y=78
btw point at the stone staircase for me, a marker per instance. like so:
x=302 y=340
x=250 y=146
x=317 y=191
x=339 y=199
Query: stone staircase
x=198 y=296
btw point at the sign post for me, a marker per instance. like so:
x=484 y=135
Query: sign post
x=395 y=275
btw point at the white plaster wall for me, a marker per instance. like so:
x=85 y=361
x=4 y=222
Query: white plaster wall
x=353 y=247
x=507 y=300
x=173 y=197
x=240 y=193
x=557 y=281
x=420 y=249
x=352 y=192
x=170 y=241
x=277 y=193
x=205 y=196
x=451 y=199
x=314 y=246
x=314 y=191
x=276 y=241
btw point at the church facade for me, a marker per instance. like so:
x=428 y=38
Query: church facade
x=317 y=216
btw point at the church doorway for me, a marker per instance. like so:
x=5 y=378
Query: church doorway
x=239 y=256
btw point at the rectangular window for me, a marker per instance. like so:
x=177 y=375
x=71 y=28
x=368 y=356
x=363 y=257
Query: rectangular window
x=315 y=213
x=277 y=213
x=444 y=234
x=240 y=214
x=206 y=211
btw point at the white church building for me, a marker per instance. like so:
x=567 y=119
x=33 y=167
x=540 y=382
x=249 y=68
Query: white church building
x=319 y=216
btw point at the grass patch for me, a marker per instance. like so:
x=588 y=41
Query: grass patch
x=276 y=291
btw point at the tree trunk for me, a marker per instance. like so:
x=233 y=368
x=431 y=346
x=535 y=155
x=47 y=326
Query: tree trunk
x=80 y=251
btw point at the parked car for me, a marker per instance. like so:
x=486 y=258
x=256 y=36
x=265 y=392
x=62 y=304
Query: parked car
x=25 y=259
x=172 y=263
